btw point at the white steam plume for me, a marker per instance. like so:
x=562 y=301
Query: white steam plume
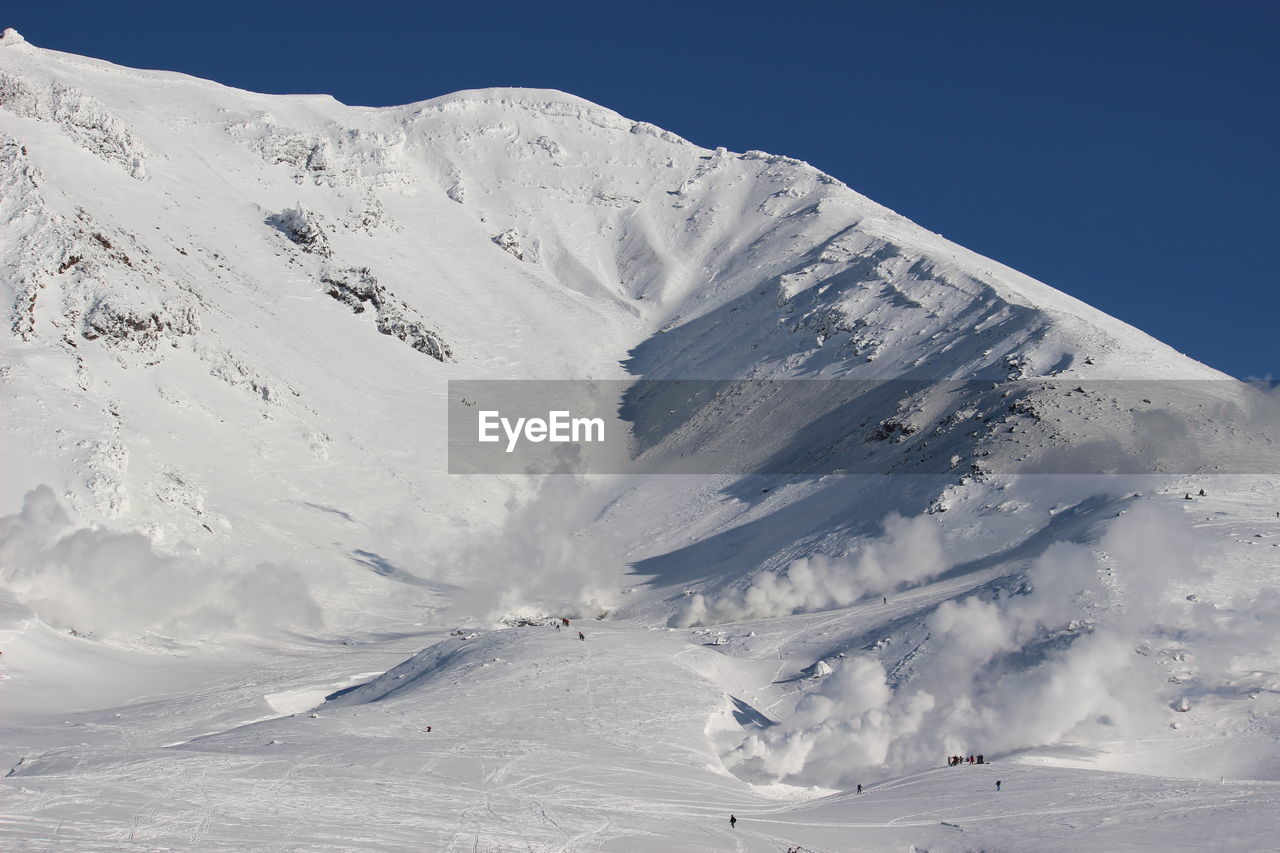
x=910 y=551
x=1083 y=649
x=542 y=561
x=109 y=583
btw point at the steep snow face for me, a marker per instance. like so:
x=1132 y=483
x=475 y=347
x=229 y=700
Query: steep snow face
x=229 y=321
x=239 y=281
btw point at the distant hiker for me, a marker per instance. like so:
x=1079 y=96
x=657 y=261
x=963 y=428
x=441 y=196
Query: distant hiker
x=557 y=624
x=886 y=599
x=980 y=759
x=997 y=784
x=733 y=821
x=1187 y=496
x=970 y=759
x=859 y=789
x=428 y=728
x=1202 y=494
x=582 y=636
x=565 y=621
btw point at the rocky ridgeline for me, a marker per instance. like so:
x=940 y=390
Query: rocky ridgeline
x=98 y=284
x=25 y=224
x=335 y=157
x=113 y=291
x=80 y=117
x=357 y=287
x=304 y=229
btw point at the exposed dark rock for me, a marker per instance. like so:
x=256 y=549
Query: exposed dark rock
x=302 y=227
x=892 y=429
x=357 y=288
x=121 y=324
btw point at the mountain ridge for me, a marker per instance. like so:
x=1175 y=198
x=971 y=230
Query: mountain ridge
x=231 y=321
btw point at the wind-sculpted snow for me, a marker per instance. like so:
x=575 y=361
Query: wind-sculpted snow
x=332 y=156
x=81 y=117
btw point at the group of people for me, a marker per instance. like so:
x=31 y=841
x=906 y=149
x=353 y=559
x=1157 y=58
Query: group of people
x=565 y=622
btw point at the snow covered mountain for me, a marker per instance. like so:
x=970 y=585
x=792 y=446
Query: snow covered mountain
x=230 y=323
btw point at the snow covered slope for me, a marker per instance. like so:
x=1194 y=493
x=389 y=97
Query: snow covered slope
x=230 y=320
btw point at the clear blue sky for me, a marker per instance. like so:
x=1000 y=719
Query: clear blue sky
x=1124 y=152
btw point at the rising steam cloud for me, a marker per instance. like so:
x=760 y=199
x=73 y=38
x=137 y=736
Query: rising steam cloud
x=910 y=551
x=541 y=561
x=1086 y=643
x=110 y=583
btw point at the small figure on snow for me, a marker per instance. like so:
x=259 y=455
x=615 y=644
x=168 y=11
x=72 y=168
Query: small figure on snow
x=733 y=821
x=582 y=636
x=997 y=784
x=859 y=788
x=565 y=621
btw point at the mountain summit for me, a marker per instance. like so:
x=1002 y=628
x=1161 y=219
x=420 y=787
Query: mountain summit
x=965 y=512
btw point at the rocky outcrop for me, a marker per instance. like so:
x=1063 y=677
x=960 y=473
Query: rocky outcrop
x=358 y=289
x=512 y=243
x=335 y=157
x=82 y=118
x=122 y=324
x=304 y=229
